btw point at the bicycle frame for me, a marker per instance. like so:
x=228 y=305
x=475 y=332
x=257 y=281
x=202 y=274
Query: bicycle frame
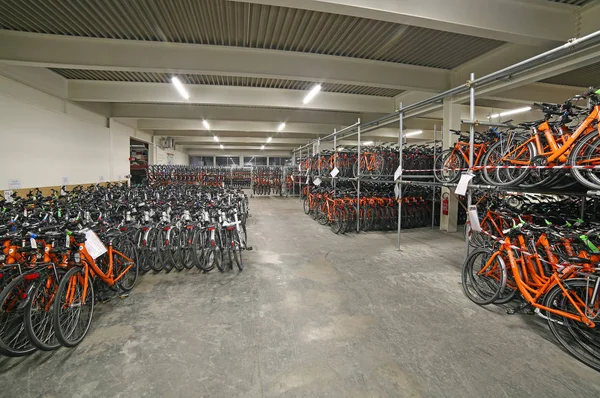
x=531 y=295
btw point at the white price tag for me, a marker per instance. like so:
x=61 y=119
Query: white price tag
x=94 y=245
x=463 y=184
x=334 y=172
x=397 y=191
x=8 y=196
x=14 y=183
x=317 y=181
x=398 y=173
x=474 y=219
x=299 y=167
x=33 y=243
x=68 y=240
x=307 y=178
x=307 y=171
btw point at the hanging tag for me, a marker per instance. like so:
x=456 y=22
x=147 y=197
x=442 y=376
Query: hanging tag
x=474 y=219
x=299 y=167
x=463 y=184
x=307 y=178
x=33 y=243
x=8 y=196
x=334 y=172
x=67 y=241
x=397 y=191
x=317 y=181
x=398 y=173
x=25 y=212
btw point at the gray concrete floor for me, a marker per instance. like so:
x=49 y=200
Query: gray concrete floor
x=312 y=315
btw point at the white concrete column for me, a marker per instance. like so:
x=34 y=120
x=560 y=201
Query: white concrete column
x=451 y=121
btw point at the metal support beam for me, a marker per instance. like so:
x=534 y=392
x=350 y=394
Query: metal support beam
x=58 y=51
x=519 y=22
x=99 y=91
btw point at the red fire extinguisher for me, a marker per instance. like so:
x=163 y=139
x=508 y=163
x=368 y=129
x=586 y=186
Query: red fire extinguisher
x=445 y=203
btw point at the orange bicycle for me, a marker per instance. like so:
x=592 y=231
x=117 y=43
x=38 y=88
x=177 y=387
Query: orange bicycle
x=74 y=302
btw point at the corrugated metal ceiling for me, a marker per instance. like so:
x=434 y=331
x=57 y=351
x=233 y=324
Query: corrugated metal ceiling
x=227 y=23
x=150 y=77
x=582 y=77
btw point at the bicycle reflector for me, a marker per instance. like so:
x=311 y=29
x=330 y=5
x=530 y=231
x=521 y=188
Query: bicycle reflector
x=32 y=276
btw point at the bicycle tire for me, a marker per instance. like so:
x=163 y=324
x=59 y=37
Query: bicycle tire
x=154 y=253
x=41 y=306
x=126 y=248
x=587 y=178
x=487 y=289
x=70 y=285
x=237 y=251
x=14 y=341
x=567 y=331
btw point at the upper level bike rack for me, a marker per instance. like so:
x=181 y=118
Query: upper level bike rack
x=459 y=93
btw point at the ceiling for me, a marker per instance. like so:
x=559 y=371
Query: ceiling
x=248 y=64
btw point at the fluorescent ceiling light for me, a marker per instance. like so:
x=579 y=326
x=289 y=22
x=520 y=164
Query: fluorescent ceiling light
x=206 y=125
x=312 y=93
x=180 y=88
x=269 y=139
x=216 y=138
x=511 y=112
x=413 y=133
x=368 y=143
x=281 y=127
x=262 y=147
x=340 y=149
x=221 y=145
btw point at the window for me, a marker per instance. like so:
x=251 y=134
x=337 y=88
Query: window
x=278 y=161
x=255 y=161
x=201 y=160
x=227 y=161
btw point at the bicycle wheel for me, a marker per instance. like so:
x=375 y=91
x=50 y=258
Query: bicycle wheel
x=217 y=251
x=306 y=206
x=143 y=250
x=123 y=260
x=14 y=341
x=236 y=250
x=577 y=338
x=586 y=153
x=199 y=251
x=40 y=308
x=483 y=277
x=74 y=307
x=187 y=237
x=174 y=249
x=338 y=220
x=154 y=252
x=515 y=151
x=448 y=166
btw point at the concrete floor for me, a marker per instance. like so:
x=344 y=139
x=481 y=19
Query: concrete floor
x=312 y=315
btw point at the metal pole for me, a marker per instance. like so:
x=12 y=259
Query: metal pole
x=319 y=157
x=400 y=145
x=433 y=191
x=471 y=152
x=358 y=185
x=333 y=181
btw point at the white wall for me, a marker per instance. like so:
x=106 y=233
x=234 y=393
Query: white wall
x=162 y=156
x=45 y=139
x=41 y=146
